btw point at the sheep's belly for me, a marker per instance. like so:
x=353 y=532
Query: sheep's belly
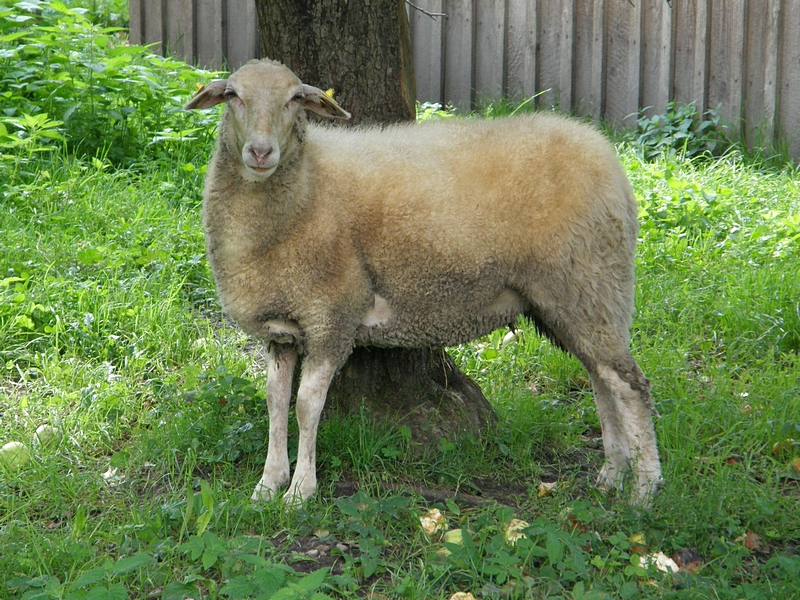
x=448 y=325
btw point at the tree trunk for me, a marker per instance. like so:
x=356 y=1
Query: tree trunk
x=360 y=49
x=363 y=51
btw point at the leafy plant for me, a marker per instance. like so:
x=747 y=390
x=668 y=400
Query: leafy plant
x=62 y=75
x=681 y=131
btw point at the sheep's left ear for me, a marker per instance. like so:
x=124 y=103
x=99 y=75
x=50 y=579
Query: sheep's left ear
x=208 y=96
x=317 y=101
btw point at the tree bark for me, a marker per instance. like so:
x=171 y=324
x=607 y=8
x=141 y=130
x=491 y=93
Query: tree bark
x=362 y=49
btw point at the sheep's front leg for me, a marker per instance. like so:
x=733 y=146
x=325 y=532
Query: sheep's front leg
x=314 y=382
x=281 y=360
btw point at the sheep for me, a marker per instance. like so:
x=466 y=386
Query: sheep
x=322 y=238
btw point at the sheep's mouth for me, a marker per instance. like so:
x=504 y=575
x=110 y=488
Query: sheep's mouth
x=260 y=172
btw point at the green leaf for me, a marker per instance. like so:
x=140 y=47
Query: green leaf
x=130 y=563
x=90 y=256
x=179 y=591
x=90 y=577
x=313 y=581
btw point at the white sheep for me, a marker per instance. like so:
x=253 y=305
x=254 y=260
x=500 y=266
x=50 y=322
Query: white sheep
x=322 y=238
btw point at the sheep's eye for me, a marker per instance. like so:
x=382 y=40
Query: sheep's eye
x=228 y=94
x=299 y=97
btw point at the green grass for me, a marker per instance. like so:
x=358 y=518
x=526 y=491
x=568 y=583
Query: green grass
x=109 y=329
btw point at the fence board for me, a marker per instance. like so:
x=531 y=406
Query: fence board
x=426 y=38
x=761 y=71
x=788 y=116
x=690 y=22
x=588 y=58
x=179 y=22
x=521 y=50
x=623 y=22
x=489 y=50
x=135 y=22
x=459 y=65
x=726 y=60
x=656 y=50
x=210 y=40
x=554 y=53
x=153 y=24
x=243 y=39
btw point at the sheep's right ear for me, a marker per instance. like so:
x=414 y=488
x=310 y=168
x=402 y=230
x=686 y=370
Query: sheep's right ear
x=208 y=96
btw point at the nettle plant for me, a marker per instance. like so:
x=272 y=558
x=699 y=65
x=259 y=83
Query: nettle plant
x=681 y=131
x=67 y=81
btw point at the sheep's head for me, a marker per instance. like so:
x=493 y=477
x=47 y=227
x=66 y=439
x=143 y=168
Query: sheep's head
x=264 y=101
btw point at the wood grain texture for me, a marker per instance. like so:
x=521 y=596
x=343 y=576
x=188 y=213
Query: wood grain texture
x=726 y=61
x=242 y=33
x=426 y=43
x=623 y=44
x=788 y=92
x=690 y=22
x=459 y=66
x=554 y=53
x=589 y=58
x=153 y=24
x=761 y=73
x=656 y=67
x=489 y=50
x=180 y=34
x=210 y=39
x=521 y=50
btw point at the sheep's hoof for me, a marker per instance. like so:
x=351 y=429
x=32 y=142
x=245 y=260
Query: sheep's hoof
x=296 y=495
x=609 y=478
x=262 y=493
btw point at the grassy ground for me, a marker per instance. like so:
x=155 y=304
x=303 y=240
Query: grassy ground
x=109 y=331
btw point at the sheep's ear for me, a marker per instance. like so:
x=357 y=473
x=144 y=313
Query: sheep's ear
x=208 y=96
x=319 y=102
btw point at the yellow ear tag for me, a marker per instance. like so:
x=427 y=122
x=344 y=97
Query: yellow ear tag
x=199 y=87
x=329 y=93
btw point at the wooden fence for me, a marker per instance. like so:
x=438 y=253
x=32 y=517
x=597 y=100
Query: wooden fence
x=604 y=58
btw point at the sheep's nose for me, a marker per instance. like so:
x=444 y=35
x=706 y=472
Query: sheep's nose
x=261 y=154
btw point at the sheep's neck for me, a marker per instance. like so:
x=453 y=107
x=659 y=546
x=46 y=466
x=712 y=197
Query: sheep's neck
x=247 y=218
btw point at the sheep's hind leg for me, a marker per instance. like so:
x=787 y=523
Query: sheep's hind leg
x=314 y=382
x=623 y=404
x=281 y=360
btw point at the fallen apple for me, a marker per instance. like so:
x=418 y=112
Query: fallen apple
x=14 y=456
x=47 y=435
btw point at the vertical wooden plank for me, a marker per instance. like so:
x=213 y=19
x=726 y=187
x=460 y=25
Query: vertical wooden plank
x=656 y=56
x=180 y=29
x=565 y=55
x=242 y=24
x=521 y=49
x=489 y=54
x=690 y=21
x=152 y=25
x=209 y=33
x=587 y=78
x=426 y=45
x=761 y=72
x=554 y=53
x=623 y=45
x=458 y=63
x=726 y=61
x=788 y=119
x=135 y=22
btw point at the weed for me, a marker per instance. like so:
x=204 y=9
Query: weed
x=681 y=131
